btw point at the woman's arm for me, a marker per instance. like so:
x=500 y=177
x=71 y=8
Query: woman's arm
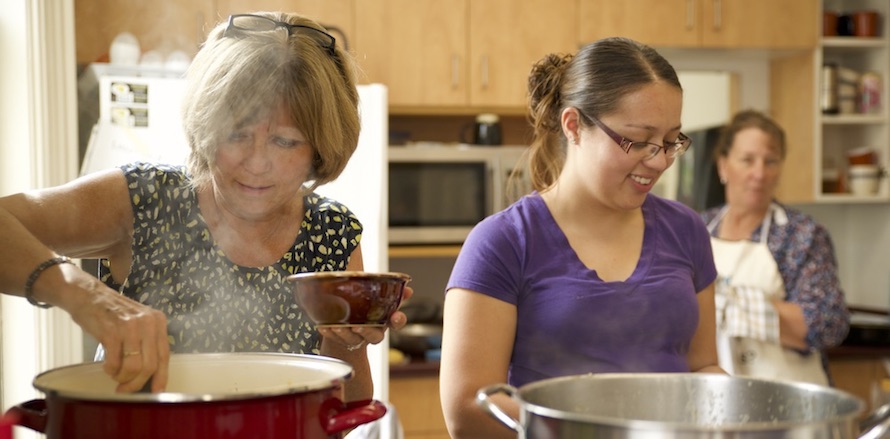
x=815 y=314
x=792 y=325
x=702 y=356
x=477 y=343
x=88 y=217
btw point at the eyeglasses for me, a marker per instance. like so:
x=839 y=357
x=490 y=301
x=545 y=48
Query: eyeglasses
x=256 y=23
x=646 y=150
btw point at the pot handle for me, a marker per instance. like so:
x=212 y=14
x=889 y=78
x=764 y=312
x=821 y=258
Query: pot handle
x=337 y=416
x=483 y=399
x=31 y=414
x=877 y=423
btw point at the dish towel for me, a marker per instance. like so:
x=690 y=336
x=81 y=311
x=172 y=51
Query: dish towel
x=745 y=312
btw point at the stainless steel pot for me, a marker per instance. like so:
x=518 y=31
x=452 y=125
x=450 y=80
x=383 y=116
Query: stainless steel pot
x=675 y=406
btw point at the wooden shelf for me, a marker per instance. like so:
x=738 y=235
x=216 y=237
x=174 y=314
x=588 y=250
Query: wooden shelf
x=854 y=42
x=852 y=199
x=854 y=119
x=423 y=251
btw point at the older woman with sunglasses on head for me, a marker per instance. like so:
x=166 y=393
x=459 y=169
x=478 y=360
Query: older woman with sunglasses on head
x=195 y=258
x=590 y=273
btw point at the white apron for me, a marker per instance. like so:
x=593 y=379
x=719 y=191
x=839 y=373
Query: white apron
x=750 y=264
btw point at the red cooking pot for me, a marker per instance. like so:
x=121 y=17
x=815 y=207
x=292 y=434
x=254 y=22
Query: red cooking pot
x=230 y=395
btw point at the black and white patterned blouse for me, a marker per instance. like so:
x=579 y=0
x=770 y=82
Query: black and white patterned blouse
x=211 y=303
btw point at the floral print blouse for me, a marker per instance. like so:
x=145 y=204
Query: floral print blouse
x=804 y=252
x=211 y=303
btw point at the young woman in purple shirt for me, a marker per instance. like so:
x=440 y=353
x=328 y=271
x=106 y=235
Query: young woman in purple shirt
x=589 y=273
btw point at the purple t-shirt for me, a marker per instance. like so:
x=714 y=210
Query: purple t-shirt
x=569 y=321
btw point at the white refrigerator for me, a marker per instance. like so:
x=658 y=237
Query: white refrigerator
x=140 y=119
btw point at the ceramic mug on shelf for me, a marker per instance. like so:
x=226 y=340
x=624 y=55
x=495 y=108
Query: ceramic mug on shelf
x=846 y=25
x=829 y=24
x=864 y=179
x=865 y=23
x=862 y=156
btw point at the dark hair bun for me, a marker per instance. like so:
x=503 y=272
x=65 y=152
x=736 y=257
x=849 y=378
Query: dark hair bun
x=544 y=80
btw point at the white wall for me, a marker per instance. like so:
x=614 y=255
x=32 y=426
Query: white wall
x=750 y=68
x=861 y=235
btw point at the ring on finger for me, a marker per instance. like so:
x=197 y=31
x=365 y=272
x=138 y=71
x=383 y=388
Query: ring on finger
x=131 y=353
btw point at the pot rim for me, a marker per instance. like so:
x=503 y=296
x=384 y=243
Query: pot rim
x=348 y=274
x=338 y=370
x=544 y=411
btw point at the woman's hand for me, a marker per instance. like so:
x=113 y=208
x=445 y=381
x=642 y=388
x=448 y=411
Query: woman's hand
x=133 y=335
x=349 y=343
x=354 y=338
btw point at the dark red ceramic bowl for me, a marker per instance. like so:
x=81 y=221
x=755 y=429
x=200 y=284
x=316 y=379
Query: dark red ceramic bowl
x=349 y=297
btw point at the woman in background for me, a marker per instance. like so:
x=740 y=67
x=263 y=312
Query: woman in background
x=779 y=301
x=589 y=273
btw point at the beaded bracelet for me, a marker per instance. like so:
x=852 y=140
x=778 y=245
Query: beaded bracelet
x=29 y=285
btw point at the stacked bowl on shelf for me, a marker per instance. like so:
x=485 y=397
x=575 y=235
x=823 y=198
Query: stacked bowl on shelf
x=864 y=173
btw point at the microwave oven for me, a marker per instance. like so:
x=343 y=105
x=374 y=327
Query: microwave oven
x=437 y=194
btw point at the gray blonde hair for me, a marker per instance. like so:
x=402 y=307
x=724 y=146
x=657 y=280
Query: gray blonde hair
x=237 y=78
x=594 y=81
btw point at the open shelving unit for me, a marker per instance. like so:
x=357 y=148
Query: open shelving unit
x=837 y=134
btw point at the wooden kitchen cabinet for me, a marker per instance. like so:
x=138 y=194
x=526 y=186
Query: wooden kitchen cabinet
x=164 y=26
x=416 y=399
x=792 y=105
x=507 y=37
x=417 y=48
x=459 y=56
x=861 y=376
x=183 y=25
x=762 y=24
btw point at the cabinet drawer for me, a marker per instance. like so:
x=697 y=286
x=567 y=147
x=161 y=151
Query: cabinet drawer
x=860 y=376
x=416 y=400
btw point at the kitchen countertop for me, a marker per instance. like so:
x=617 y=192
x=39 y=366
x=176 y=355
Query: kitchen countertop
x=847 y=351
x=418 y=368
x=861 y=318
x=869 y=335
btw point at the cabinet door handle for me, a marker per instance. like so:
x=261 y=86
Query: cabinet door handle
x=690 y=14
x=455 y=72
x=484 y=72
x=718 y=14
